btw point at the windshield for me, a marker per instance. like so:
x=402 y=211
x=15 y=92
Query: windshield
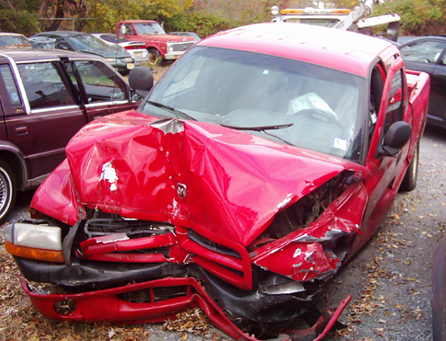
x=149 y=28
x=285 y=100
x=14 y=40
x=86 y=42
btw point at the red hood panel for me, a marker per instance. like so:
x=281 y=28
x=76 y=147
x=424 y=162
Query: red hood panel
x=232 y=182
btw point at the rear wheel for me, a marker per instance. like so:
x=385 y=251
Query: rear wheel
x=410 y=179
x=8 y=190
x=155 y=57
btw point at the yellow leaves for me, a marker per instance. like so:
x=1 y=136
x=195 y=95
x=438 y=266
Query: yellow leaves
x=192 y=321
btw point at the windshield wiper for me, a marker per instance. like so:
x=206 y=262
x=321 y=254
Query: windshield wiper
x=260 y=128
x=176 y=111
x=264 y=129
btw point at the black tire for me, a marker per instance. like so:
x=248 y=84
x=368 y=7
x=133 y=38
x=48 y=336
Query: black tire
x=155 y=57
x=8 y=190
x=410 y=179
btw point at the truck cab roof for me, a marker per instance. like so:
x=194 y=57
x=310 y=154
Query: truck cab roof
x=346 y=51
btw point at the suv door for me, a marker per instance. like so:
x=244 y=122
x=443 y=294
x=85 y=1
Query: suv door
x=43 y=113
x=102 y=89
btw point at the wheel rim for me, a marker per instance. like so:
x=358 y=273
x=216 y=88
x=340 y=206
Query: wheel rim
x=5 y=192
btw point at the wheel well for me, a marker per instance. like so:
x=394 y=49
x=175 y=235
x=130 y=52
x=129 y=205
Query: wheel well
x=14 y=162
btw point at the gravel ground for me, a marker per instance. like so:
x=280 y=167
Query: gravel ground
x=389 y=280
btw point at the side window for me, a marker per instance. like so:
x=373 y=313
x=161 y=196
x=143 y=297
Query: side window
x=376 y=93
x=101 y=84
x=423 y=52
x=395 y=110
x=44 y=86
x=11 y=86
x=129 y=30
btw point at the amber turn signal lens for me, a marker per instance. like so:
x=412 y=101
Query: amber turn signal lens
x=37 y=254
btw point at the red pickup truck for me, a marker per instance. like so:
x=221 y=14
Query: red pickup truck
x=159 y=44
x=253 y=170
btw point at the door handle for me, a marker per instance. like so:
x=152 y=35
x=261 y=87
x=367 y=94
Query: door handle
x=21 y=131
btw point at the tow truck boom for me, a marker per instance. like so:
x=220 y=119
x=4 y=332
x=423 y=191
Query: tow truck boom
x=343 y=19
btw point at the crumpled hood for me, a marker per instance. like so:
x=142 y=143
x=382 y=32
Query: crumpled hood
x=230 y=182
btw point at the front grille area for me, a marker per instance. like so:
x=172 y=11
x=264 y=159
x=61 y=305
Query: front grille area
x=111 y=224
x=182 y=46
x=199 y=239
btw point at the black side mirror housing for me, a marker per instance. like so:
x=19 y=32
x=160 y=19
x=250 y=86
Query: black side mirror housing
x=141 y=80
x=396 y=138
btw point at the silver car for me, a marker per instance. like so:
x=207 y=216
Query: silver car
x=137 y=49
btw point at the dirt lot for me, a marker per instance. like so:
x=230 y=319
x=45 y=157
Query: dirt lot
x=390 y=279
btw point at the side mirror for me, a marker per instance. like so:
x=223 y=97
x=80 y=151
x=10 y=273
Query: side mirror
x=396 y=138
x=122 y=30
x=141 y=80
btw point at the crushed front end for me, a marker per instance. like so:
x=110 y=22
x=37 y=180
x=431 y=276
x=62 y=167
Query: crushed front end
x=185 y=226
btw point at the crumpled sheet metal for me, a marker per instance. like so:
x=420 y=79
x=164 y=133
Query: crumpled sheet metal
x=234 y=182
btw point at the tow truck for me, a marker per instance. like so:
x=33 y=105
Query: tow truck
x=341 y=18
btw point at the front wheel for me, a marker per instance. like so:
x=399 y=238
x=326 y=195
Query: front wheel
x=410 y=179
x=155 y=57
x=8 y=190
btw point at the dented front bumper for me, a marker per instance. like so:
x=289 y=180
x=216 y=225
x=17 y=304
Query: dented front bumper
x=83 y=306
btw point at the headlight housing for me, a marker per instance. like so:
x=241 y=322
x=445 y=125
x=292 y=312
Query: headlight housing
x=34 y=241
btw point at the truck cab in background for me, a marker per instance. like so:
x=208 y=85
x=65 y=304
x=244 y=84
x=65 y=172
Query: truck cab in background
x=161 y=46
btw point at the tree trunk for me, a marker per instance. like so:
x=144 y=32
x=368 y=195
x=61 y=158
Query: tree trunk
x=60 y=13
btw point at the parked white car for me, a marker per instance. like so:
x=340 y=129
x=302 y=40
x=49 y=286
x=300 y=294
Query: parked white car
x=137 y=49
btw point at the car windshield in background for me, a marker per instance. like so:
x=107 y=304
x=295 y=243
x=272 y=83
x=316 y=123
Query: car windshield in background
x=86 y=42
x=423 y=51
x=149 y=28
x=284 y=100
x=14 y=40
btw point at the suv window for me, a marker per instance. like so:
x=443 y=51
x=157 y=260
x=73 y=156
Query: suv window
x=44 y=86
x=14 y=96
x=100 y=82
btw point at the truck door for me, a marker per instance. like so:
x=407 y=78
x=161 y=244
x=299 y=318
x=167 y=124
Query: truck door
x=42 y=114
x=391 y=106
x=102 y=89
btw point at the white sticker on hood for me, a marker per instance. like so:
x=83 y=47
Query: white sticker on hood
x=109 y=174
